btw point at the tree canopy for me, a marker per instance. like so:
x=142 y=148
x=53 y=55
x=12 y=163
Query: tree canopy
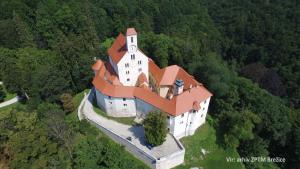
x=155 y=126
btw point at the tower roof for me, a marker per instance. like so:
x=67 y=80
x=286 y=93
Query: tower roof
x=130 y=31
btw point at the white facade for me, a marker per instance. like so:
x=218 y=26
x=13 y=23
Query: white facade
x=187 y=123
x=179 y=126
x=131 y=66
x=116 y=107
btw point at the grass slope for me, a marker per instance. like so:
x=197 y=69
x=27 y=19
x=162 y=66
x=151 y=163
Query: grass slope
x=205 y=137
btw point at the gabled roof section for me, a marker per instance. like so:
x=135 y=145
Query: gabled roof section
x=142 y=78
x=168 y=75
x=97 y=65
x=118 y=48
x=107 y=83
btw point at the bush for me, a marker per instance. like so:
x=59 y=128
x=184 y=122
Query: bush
x=67 y=102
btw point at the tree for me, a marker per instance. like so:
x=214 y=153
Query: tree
x=23 y=32
x=255 y=147
x=57 y=127
x=237 y=126
x=2 y=93
x=67 y=102
x=155 y=126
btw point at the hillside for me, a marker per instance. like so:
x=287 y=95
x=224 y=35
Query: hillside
x=245 y=52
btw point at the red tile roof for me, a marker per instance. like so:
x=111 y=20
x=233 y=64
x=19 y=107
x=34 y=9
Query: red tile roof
x=97 y=65
x=118 y=48
x=196 y=105
x=130 y=31
x=168 y=75
x=175 y=106
x=142 y=79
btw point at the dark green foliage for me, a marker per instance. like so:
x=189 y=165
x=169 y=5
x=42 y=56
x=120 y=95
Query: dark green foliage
x=255 y=147
x=101 y=152
x=237 y=126
x=261 y=31
x=47 y=47
x=2 y=93
x=155 y=126
x=29 y=69
x=67 y=102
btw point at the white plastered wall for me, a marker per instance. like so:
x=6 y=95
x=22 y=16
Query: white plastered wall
x=133 y=68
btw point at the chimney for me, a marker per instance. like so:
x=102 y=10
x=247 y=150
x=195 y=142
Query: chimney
x=178 y=87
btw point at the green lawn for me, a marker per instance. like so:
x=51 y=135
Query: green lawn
x=124 y=120
x=205 y=137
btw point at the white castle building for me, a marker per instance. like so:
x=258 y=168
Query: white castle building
x=132 y=85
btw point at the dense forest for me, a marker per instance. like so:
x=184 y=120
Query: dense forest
x=247 y=52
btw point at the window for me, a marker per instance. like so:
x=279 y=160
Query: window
x=127 y=72
x=128 y=80
x=182 y=115
x=168 y=117
x=124 y=99
x=132 y=56
x=140 y=69
x=126 y=64
x=125 y=105
x=203 y=108
x=190 y=122
x=139 y=62
x=204 y=101
x=110 y=102
x=131 y=39
x=194 y=111
x=181 y=122
x=109 y=97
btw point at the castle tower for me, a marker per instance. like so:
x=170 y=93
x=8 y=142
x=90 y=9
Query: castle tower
x=131 y=40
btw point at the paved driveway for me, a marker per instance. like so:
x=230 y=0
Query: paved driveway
x=9 y=102
x=135 y=132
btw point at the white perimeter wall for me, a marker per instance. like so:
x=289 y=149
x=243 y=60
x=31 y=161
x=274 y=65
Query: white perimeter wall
x=143 y=108
x=116 y=107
